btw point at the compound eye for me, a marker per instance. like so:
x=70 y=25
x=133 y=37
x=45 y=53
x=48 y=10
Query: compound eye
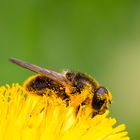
x=99 y=98
x=101 y=91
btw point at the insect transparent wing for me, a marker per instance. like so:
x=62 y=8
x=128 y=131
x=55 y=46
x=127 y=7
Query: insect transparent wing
x=46 y=72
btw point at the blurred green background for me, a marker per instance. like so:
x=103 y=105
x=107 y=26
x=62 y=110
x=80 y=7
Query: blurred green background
x=101 y=38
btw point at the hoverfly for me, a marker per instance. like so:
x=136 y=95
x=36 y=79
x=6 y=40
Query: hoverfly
x=77 y=89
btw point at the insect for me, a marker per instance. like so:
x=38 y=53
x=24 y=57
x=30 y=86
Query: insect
x=77 y=89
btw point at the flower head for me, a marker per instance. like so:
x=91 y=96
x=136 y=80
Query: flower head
x=26 y=116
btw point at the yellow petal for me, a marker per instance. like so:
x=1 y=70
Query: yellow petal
x=25 y=116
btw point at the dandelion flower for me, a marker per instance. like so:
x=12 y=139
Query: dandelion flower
x=25 y=116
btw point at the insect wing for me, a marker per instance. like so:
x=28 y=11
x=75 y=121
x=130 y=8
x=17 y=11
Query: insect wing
x=46 y=72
